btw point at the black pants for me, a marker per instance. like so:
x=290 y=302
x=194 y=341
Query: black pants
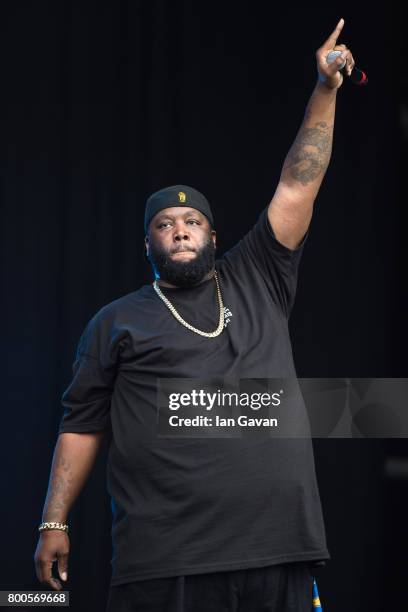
x=275 y=588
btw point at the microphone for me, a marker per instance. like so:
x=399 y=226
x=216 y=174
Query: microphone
x=357 y=76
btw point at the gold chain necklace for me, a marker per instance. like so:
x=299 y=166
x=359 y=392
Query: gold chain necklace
x=183 y=322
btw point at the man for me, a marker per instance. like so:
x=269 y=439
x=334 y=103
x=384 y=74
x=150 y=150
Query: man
x=200 y=523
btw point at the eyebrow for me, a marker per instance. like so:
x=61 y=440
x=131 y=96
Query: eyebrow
x=172 y=217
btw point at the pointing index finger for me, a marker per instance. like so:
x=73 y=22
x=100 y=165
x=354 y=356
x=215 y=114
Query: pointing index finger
x=331 y=41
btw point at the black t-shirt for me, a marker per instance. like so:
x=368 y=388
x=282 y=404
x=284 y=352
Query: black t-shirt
x=196 y=505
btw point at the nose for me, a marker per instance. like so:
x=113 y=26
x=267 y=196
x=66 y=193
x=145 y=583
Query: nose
x=180 y=234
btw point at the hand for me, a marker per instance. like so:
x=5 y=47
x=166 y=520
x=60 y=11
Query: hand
x=329 y=74
x=53 y=545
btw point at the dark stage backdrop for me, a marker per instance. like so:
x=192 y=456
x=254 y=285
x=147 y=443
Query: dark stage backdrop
x=104 y=103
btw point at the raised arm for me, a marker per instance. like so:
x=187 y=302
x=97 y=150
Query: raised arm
x=291 y=208
x=74 y=456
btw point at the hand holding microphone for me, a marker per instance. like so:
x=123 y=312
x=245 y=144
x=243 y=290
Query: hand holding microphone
x=356 y=75
x=335 y=60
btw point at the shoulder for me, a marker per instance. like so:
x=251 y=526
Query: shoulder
x=124 y=303
x=120 y=312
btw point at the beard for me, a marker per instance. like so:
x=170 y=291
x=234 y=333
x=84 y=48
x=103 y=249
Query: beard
x=182 y=273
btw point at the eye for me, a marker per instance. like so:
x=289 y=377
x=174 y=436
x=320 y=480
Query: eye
x=194 y=221
x=163 y=224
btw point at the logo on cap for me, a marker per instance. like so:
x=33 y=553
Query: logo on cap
x=182 y=196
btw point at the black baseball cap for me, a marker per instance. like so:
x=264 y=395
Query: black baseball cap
x=176 y=195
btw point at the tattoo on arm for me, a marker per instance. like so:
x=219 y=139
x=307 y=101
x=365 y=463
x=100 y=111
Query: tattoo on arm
x=309 y=155
x=59 y=491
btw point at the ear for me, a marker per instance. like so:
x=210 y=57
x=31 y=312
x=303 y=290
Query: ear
x=214 y=237
x=146 y=241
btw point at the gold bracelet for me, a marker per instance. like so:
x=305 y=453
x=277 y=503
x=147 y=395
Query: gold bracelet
x=61 y=526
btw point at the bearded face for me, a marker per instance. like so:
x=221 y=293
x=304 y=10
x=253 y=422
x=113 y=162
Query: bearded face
x=181 y=246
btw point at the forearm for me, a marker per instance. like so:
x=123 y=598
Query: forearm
x=308 y=158
x=74 y=456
